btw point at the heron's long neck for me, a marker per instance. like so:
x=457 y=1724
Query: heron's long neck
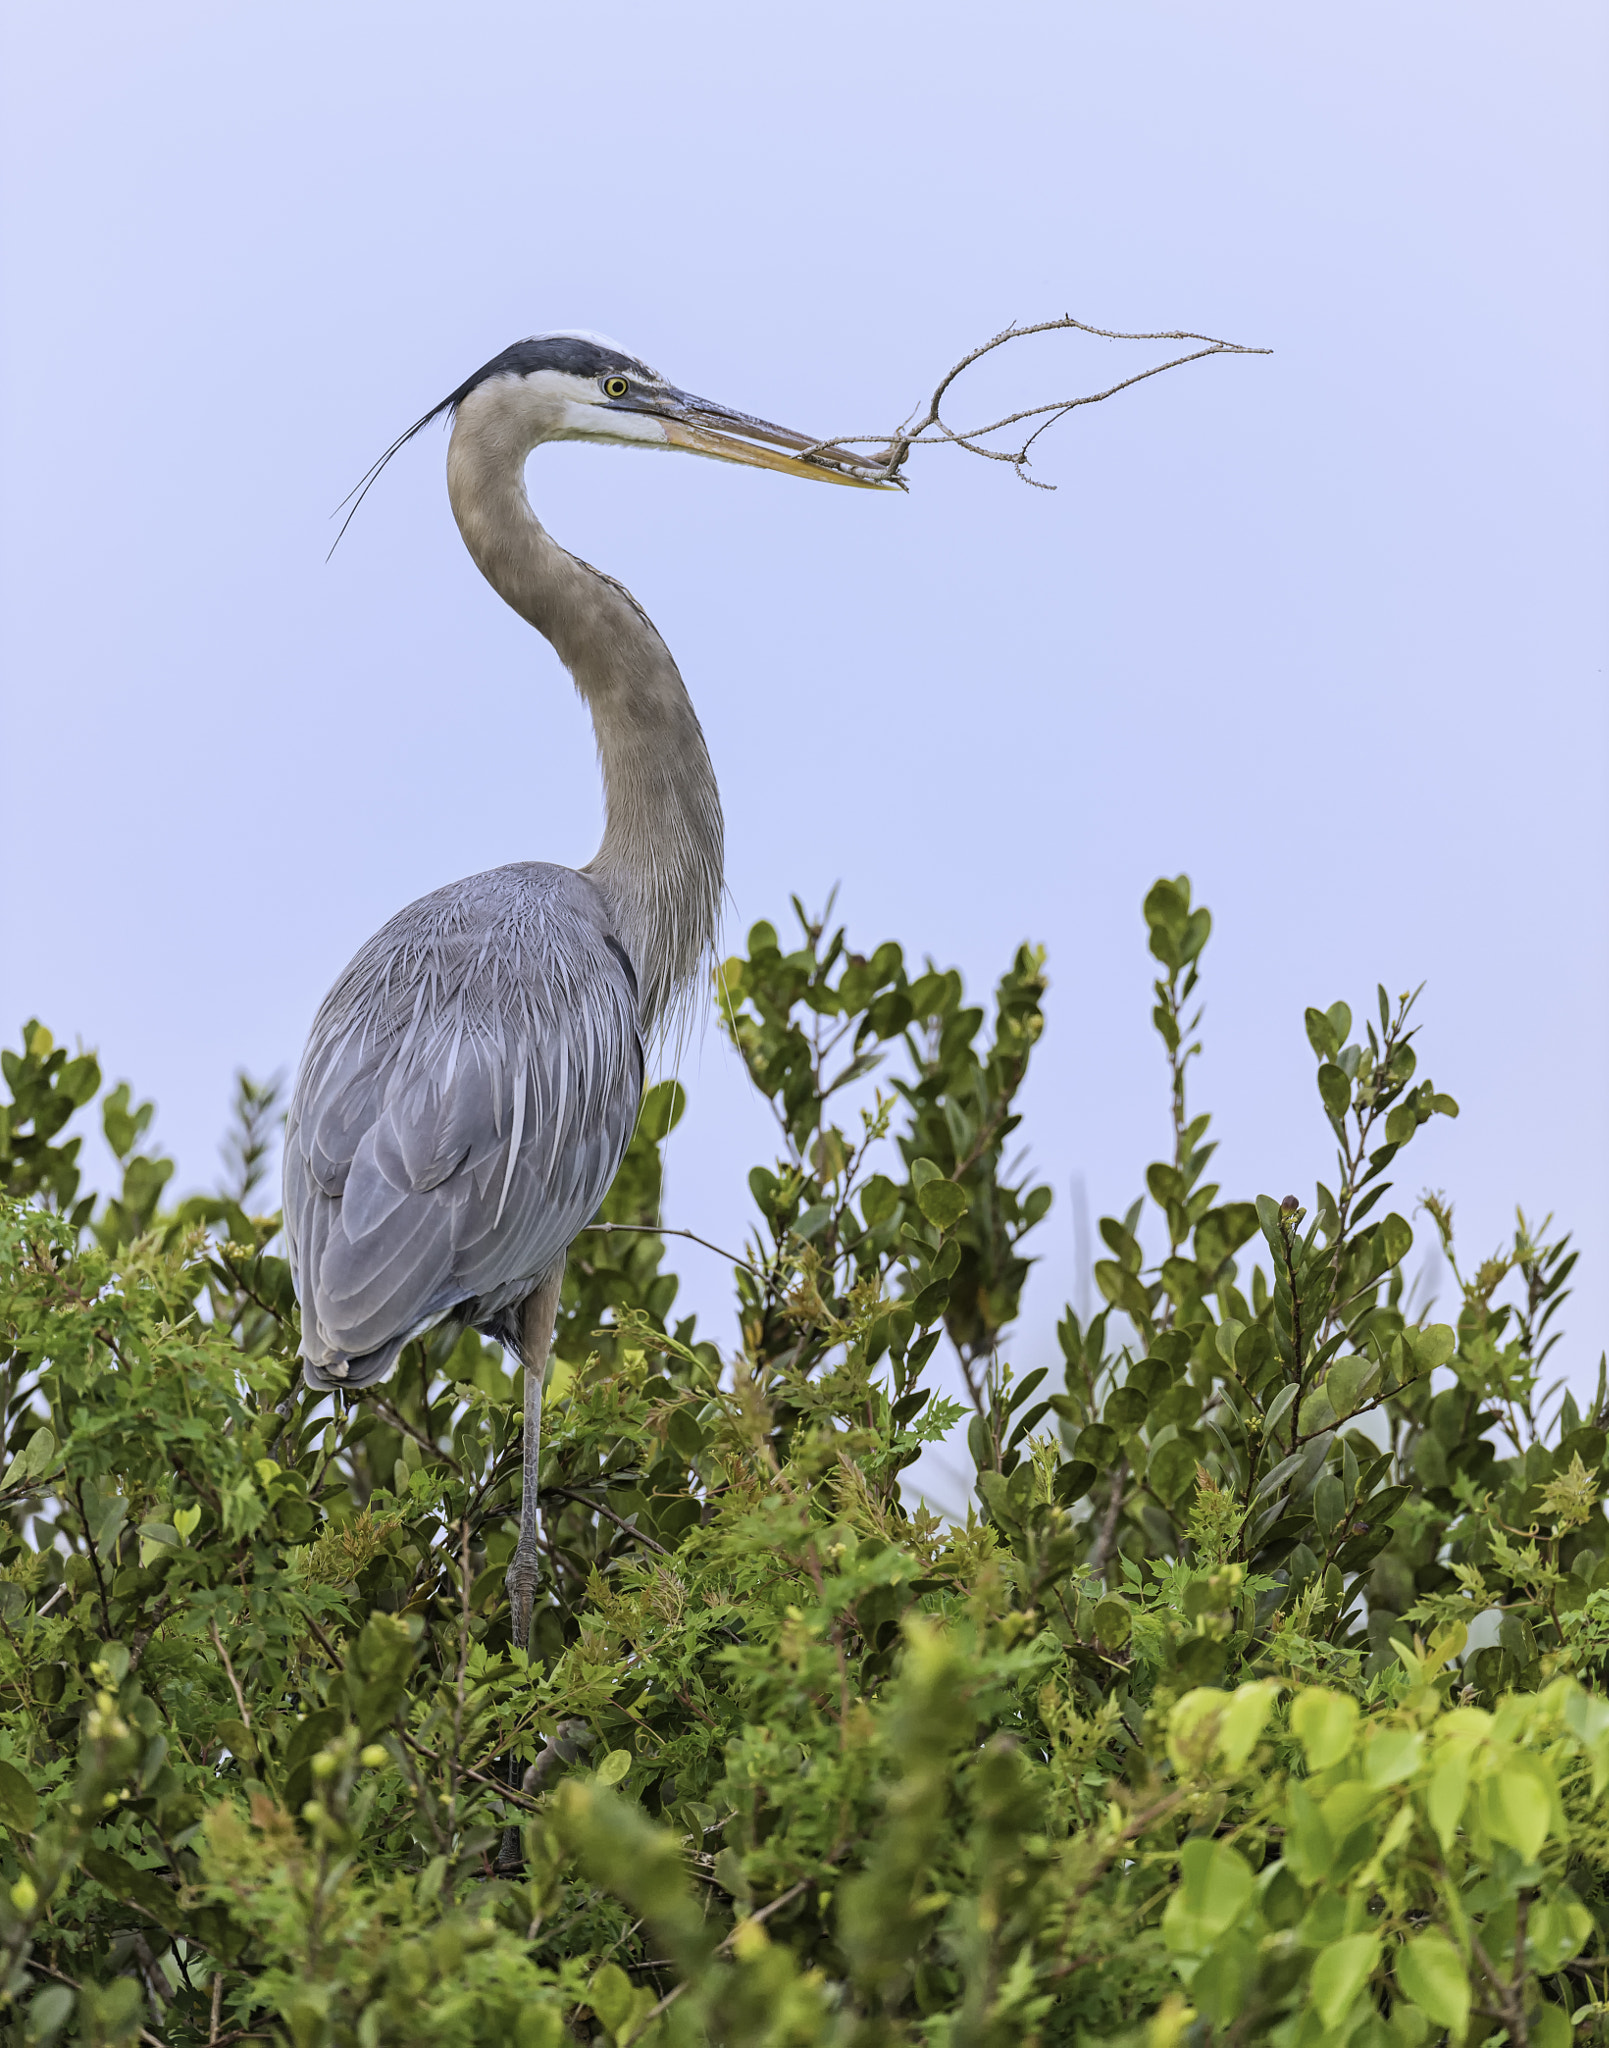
x=659 y=866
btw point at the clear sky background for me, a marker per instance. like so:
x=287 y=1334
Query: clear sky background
x=1324 y=629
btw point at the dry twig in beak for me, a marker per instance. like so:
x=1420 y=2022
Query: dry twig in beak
x=930 y=431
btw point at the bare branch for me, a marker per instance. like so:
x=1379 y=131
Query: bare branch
x=229 y=1673
x=667 y=1230
x=930 y=431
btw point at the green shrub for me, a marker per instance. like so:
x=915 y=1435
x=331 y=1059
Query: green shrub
x=1178 y=1737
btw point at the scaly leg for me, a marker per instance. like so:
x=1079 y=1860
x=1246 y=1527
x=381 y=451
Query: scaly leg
x=524 y=1570
x=536 y=1338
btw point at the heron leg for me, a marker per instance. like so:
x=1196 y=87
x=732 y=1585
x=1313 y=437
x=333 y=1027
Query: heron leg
x=536 y=1339
x=524 y=1570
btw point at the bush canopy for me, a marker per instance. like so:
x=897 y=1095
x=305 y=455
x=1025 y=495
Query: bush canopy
x=1256 y=1699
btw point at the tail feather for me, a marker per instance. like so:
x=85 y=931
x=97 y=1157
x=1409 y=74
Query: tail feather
x=345 y=1375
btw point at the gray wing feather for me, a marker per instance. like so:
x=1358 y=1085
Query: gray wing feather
x=467 y=1092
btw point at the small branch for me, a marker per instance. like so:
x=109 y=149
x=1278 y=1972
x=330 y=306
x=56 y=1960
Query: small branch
x=665 y=1230
x=73 y=1984
x=155 y=1984
x=94 y=1558
x=401 y=1423
x=324 y=1642
x=497 y=1785
x=1102 y=1548
x=229 y=1672
x=141 y=1640
x=749 y=1919
x=898 y=445
x=585 y=1500
x=463 y=1667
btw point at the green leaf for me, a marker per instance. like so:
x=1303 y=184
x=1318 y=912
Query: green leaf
x=1126 y=1408
x=684 y=1432
x=1329 y=1504
x=1308 y=1847
x=1396 y=1236
x=1391 y=1756
x=1276 y=1414
x=1335 y=1090
x=1073 y=1481
x=1431 y=1973
x=1517 y=1803
x=1120 y=1238
x=1323 y=1722
x=1340 y=1973
x=33 y=1461
x=1215 y=1888
x=1097 y=1443
x=614 y=1767
x=1172 y=1470
x=1244 y=1720
x=1254 y=1353
x=142 y=1888
x=1444 y=1796
x=1113 y=1621
x=611 y=1996
x=1123 y=1289
x=662 y=1107
x=1432 y=1346
x=1321 y=1034
x=1268 y=1217
x=1349 y=1383
x=19 y=1803
x=50 y=2012
x=943 y=1203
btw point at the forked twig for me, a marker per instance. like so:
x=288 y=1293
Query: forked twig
x=930 y=431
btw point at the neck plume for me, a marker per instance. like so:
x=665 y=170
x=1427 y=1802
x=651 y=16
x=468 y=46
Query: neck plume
x=659 y=866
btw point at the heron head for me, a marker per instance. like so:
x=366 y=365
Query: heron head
x=573 y=386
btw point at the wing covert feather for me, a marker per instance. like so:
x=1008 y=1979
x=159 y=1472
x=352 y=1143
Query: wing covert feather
x=469 y=1087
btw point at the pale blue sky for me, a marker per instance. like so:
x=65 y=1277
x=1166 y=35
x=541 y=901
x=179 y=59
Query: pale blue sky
x=1334 y=612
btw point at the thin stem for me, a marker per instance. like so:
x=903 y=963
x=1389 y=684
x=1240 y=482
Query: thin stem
x=665 y=1230
x=400 y=1423
x=755 y=1919
x=94 y=1558
x=229 y=1673
x=598 y=1508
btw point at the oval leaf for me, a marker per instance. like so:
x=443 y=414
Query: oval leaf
x=19 y=1803
x=1431 y=1973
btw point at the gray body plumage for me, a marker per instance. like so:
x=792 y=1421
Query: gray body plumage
x=468 y=1089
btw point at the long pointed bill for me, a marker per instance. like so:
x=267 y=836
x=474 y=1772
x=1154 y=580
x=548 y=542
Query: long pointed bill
x=704 y=429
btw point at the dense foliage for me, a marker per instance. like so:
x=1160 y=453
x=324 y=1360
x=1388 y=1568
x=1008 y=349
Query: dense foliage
x=1257 y=1698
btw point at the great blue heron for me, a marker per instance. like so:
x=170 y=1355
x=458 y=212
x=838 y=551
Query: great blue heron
x=472 y=1079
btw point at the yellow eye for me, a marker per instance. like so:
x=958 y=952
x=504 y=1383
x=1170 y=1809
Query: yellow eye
x=615 y=387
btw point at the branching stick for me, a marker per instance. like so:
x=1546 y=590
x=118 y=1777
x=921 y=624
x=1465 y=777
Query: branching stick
x=931 y=431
